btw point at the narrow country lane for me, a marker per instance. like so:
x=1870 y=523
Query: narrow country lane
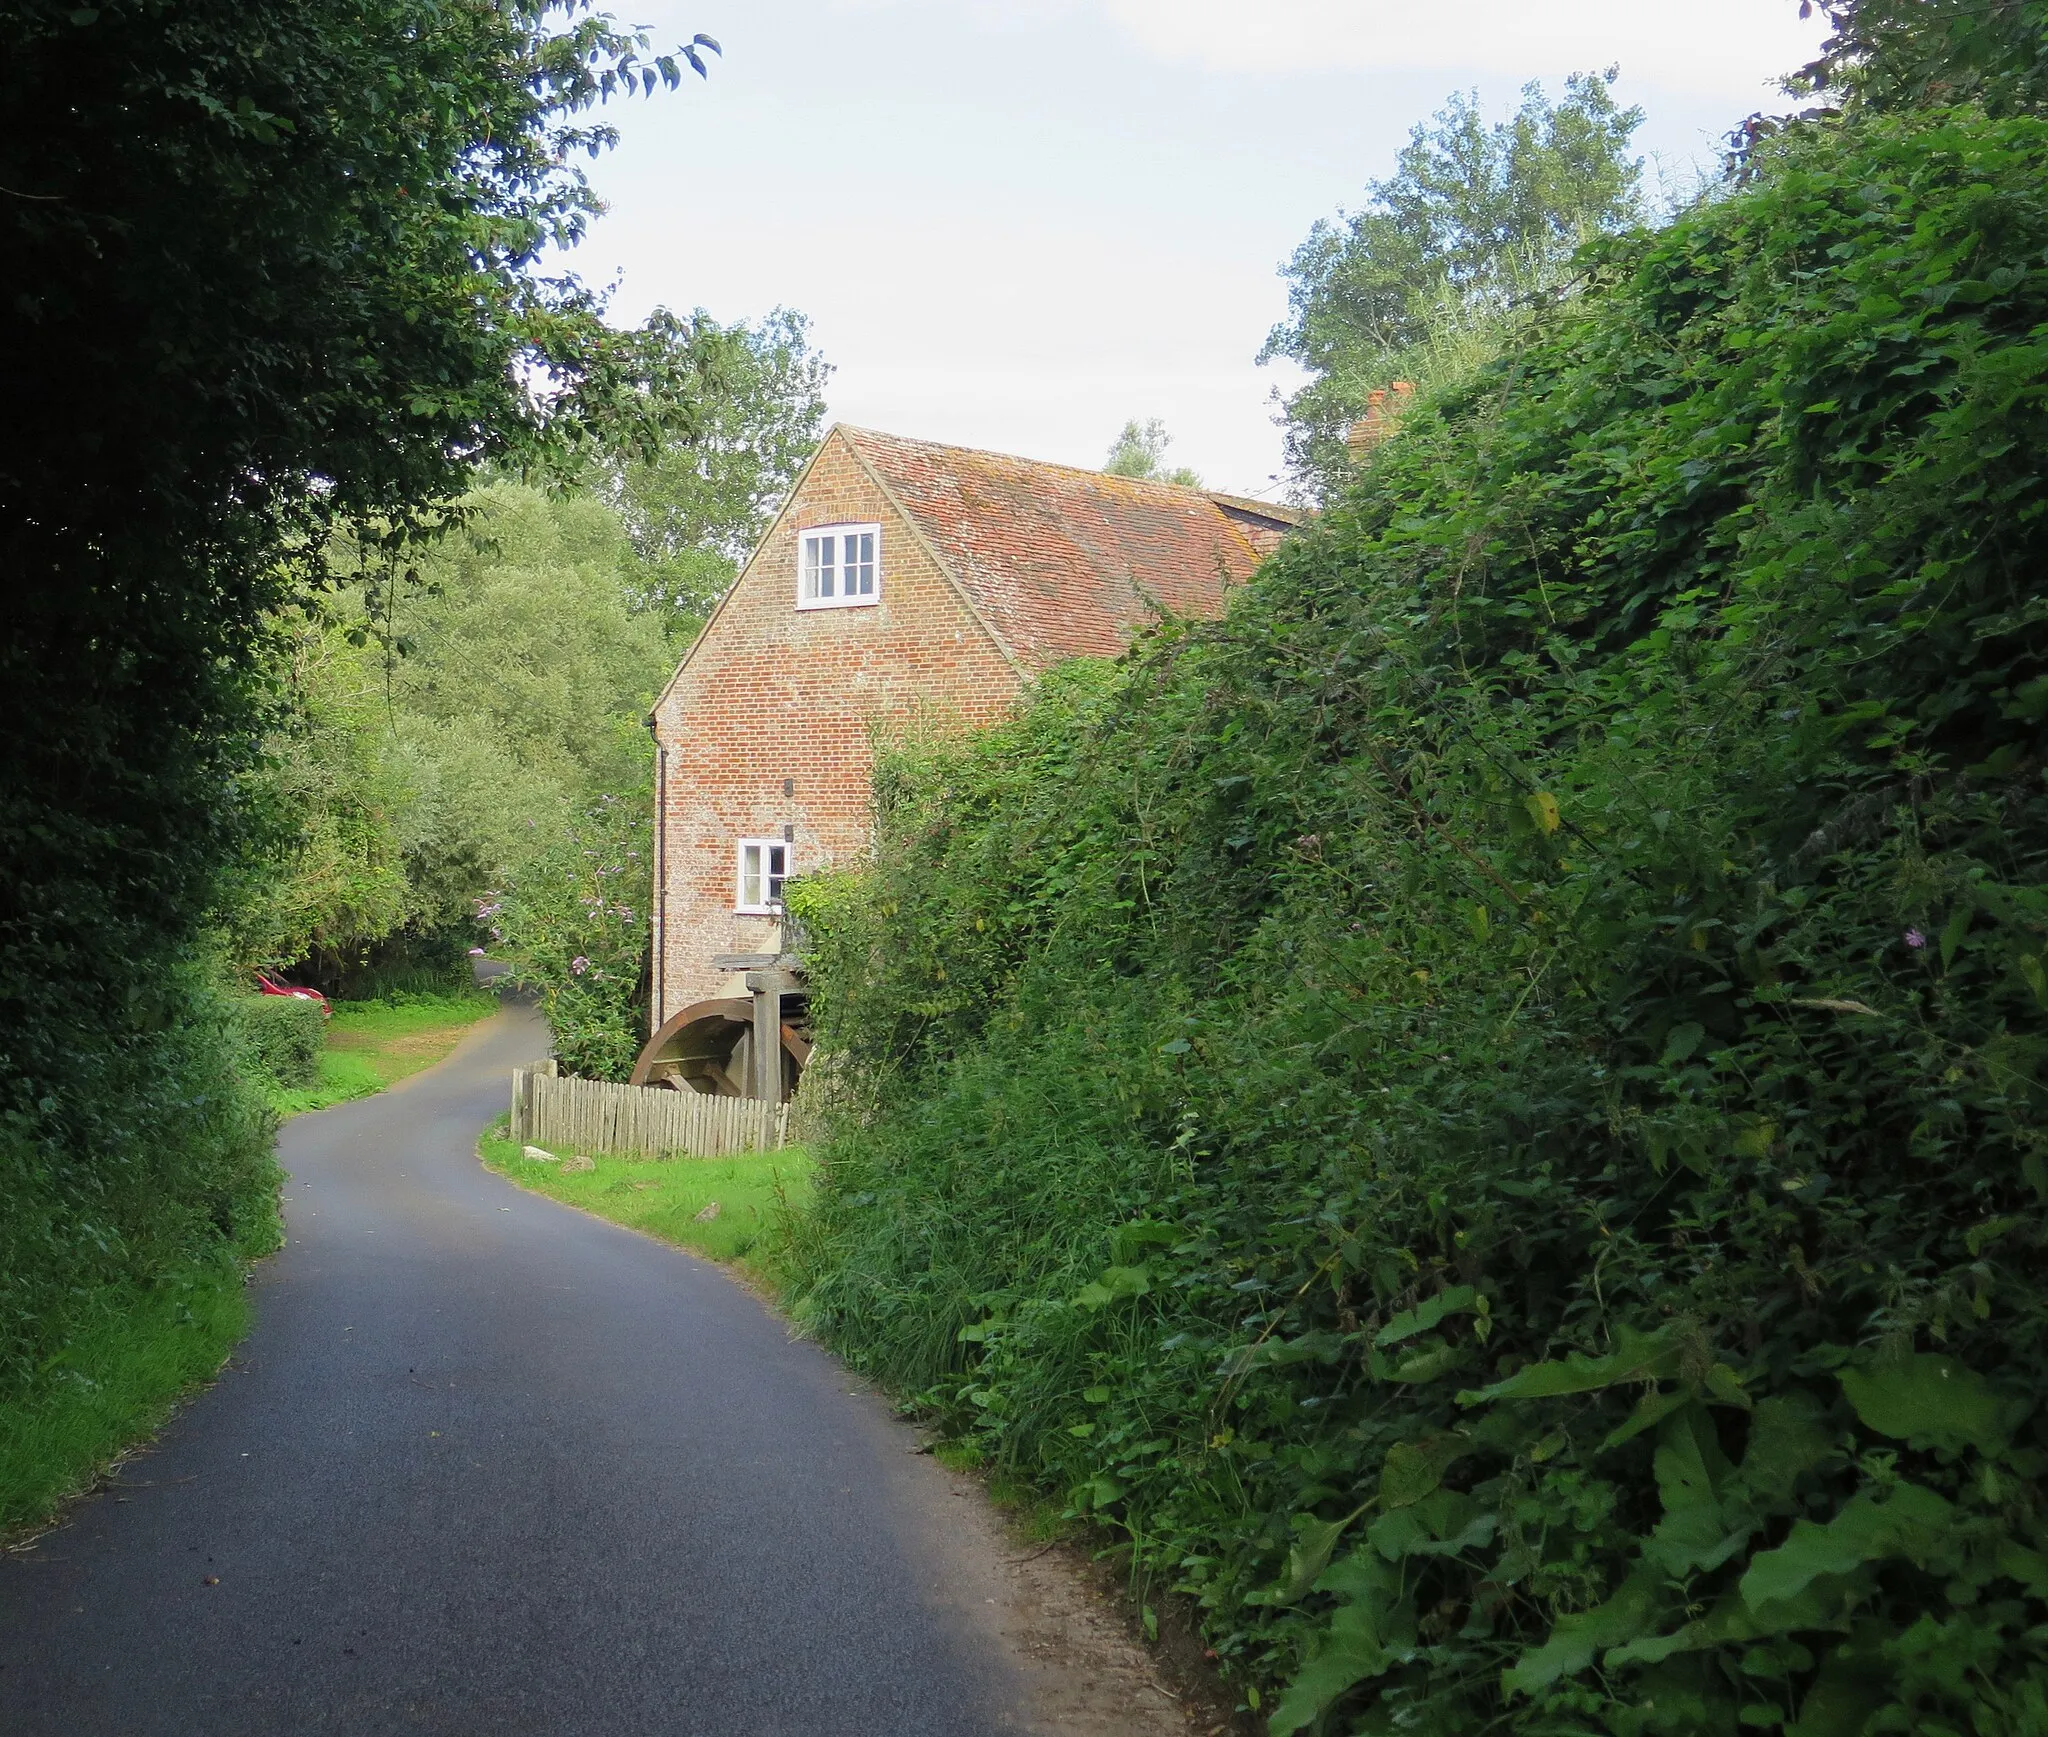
x=489 y=1466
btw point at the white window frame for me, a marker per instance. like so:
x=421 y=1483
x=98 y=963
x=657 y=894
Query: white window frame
x=807 y=567
x=762 y=876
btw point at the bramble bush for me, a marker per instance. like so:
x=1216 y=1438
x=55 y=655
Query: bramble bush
x=1487 y=1110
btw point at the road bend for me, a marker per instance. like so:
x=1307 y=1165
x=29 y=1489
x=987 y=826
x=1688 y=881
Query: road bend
x=486 y=1465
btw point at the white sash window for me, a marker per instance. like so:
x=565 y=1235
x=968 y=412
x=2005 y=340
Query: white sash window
x=764 y=866
x=839 y=566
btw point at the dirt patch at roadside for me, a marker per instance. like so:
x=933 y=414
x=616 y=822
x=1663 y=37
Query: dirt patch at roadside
x=432 y=1043
x=1059 y=1618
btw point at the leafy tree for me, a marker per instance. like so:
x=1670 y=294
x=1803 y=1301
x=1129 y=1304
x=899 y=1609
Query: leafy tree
x=276 y=272
x=1474 y=216
x=1926 y=53
x=1140 y=451
x=334 y=880
x=696 y=507
x=407 y=783
x=575 y=921
x=524 y=697
x=275 y=269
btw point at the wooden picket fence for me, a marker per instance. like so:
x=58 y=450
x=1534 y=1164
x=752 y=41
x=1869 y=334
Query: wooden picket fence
x=638 y=1121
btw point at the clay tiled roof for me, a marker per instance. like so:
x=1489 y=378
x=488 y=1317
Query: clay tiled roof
x=1060 y=562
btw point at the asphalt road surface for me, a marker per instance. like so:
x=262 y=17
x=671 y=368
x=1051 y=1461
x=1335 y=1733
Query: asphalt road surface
x=489 y=1466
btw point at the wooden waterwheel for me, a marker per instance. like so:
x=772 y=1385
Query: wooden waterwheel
x=709 y=1047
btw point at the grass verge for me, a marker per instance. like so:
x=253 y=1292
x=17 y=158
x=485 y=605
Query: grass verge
x=374 y=1044
x=667 y=1197
x=134 y=1354
x=123 y=1371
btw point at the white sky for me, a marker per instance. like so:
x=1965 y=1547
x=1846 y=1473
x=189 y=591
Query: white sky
x=1015 y=223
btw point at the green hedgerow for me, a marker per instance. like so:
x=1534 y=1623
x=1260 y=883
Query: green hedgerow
x=156 y=1162
x=281 y=1036
x=1488 y=1108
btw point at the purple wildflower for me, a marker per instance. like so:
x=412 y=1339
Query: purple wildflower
x=1915 y=939
x=579 y=964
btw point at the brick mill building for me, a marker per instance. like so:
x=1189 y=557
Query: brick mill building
x=901 y=580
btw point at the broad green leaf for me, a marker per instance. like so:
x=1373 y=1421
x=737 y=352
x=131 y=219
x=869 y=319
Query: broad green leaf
x=1412 y=1470
x=1695 y=1532
x=1458 y=1300
x=1953 y=931
x=1730 y=1622
x=2028 y=1567
x=1129 y=1241
x=1444 y=1523
x=1651 y=1410
x=1908 y=1524
x=1723 y=1384
x=1853 y=1684
x=1929 y=1400
x=1307 y=1557
x=1786 y=1440
x=1576 y=1638
x=1681 y=1043
x=1112 y=1285
x=1636 y=1357
x=1373 y=1629
x=1425 y=1363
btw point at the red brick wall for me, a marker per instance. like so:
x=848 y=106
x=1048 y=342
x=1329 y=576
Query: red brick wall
x=774 y=693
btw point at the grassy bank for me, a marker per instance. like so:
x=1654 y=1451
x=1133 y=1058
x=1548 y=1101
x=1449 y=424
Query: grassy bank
x=666 y=1197
x=134 y=1187
x=372 y=1045
x=120 y=1375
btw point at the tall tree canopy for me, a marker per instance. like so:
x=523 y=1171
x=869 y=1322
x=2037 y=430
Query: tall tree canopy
x=1140 y=451
x=274 y=268
x=415 y=784
x=1897 y=54
x=695 y=506
x=273 y=271
x=1474 y=213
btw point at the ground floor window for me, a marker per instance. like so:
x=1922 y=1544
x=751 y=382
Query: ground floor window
x=764 y=866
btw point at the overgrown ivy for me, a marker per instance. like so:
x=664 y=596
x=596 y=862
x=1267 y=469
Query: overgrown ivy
x=1487 y=1110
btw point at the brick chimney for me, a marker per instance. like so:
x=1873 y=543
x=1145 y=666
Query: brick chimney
x=1383 y=408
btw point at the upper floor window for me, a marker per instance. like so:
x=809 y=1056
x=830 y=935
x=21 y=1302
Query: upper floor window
x=838 y=565
x=764 y=864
